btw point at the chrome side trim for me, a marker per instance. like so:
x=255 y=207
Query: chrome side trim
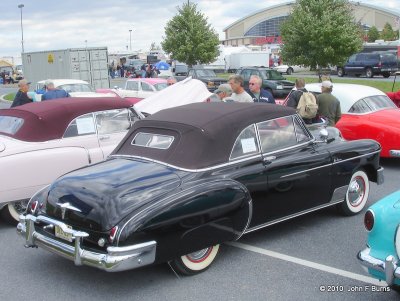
x=290 y=217
x=389 y=268
x=114 y=260
x=334 y=163
x=248 y=220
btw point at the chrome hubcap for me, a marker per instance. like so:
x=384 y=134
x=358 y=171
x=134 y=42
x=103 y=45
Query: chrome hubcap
x=356 y=191
x=199 y=255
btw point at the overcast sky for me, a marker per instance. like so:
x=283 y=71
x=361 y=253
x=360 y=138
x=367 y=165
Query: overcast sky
x=51 y=25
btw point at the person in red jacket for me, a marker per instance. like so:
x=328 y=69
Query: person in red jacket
x=395 y=97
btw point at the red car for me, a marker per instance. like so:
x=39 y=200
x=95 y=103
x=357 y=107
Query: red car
x=367 y=113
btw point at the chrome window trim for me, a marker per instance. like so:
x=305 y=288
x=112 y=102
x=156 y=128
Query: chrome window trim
x=94 y=123
x=250 y=154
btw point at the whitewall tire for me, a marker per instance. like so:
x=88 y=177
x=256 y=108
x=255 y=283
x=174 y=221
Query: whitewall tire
x=357 y=194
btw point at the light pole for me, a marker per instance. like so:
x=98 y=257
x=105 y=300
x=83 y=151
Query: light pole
x=130 y=39
x=20 y=6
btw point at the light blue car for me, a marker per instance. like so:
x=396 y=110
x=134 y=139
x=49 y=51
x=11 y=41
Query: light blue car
x=382 y=253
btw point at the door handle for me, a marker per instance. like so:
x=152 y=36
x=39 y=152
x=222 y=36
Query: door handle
x=269 y=159
x=102 y=138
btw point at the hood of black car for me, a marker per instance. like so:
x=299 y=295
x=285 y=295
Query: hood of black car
x=99 y=196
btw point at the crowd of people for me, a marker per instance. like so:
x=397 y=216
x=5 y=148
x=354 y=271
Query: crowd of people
x=327 y=106
x=145 y=70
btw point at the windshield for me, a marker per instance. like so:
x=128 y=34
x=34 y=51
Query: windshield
x=160 y=86
x=76 y=88
x=205 y=73
x=271 y=75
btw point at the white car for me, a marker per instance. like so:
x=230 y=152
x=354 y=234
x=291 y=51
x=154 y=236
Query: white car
x=75 y=88
x=290 y=69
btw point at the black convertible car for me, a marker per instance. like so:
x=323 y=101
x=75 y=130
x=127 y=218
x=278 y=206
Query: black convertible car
x=187 y=179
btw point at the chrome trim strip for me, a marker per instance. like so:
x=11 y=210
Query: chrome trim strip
x=389 y=267
x=290 y=217
x=248 y=220
x=330 y=164
x=114 y=260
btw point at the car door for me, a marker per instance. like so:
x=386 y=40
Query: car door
x=112 y=126
x=350 y=66
x=296 y=170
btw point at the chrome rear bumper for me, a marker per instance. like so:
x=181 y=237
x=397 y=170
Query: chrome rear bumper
x=388 y=267
x=116 y=259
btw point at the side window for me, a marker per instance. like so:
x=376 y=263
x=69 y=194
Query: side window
x=132 y=85
x=83 y=125
x=277 y=134
x=146 y=87
x=113 y=121
x=352 y=59
x=245 y=144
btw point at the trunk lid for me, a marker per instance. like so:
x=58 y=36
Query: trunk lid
x=100 y=195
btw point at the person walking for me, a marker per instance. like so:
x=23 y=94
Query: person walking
x=239 y=93
x=328 y=105
x=52 y=92
x=257 y=93
x=22 y=97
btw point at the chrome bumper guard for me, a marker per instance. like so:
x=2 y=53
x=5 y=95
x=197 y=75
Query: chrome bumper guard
x=394 y=153
x=380 y=176
x=388 y=267
x=115 y=260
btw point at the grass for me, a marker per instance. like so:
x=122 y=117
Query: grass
x=9 y=97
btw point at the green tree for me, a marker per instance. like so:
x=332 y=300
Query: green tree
x=373 y=34
x=387 y=33
x=189 y=38
x=320 y=33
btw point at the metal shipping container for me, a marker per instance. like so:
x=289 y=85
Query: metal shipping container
x=89 y=64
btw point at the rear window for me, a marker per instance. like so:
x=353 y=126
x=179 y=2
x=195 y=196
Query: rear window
x=388 y=58
x=10 y=124
x=152 y=140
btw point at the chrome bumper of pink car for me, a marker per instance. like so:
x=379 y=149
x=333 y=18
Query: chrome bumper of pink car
x=388 y=267
x=116 y=259
x=394 y=153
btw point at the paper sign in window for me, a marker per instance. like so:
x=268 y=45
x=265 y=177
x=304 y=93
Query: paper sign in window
x=248 y=145
x=85 y=125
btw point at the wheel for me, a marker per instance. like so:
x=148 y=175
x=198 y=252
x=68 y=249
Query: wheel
x=289 y=71
x=356 y=195
x=386 y=74
x=369 y=73
x=396 y=288
x=340 y=72
x=195 y=262
x=10 y=212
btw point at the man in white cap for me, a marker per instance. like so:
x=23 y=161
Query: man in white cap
x=328 y=105
x=22 y=97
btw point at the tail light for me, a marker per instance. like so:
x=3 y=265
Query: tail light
x=34 y=206
x=369 y=220
x=113 y=233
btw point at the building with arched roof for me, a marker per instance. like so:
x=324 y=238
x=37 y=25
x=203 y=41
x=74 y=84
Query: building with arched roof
x=262 y=27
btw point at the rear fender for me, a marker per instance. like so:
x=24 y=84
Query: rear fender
x=199 y=215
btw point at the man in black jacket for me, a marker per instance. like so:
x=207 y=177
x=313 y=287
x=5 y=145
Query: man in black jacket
x=22 y=97
x=257 y=93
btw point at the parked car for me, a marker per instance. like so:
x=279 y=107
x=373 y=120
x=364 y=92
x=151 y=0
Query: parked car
x=289 y=69
x=75 y=88
x=381 y=256
x=41 y=141
x=187 y=179
x=273 y=81
x=138 y=88
x=367 y=113
x=369 y=64
x=207 y=76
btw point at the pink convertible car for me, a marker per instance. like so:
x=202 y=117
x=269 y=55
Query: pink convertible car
x=41 y=141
